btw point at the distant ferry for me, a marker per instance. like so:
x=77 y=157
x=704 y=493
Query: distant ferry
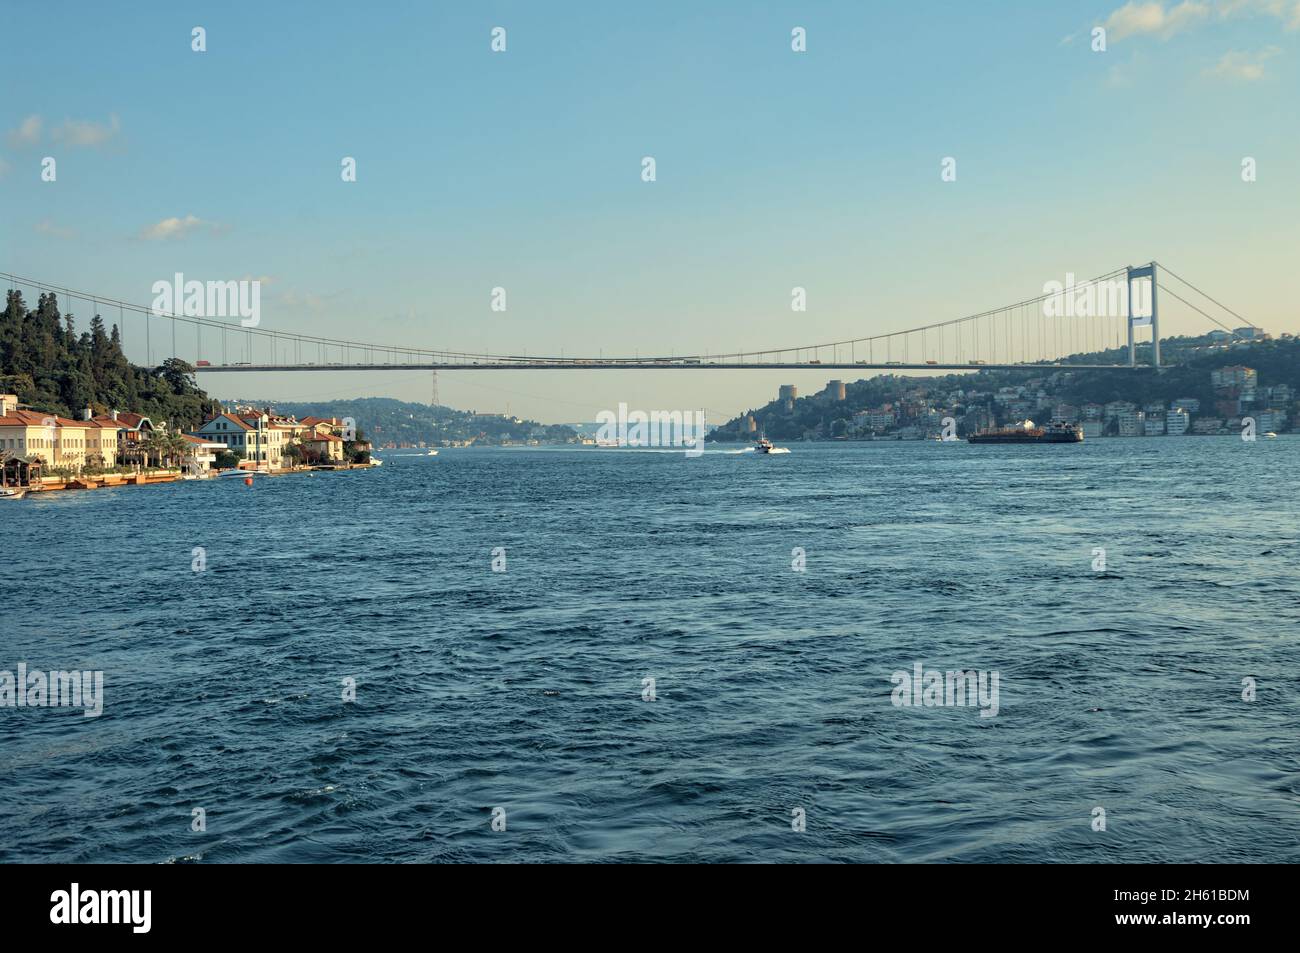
x=1058 y=431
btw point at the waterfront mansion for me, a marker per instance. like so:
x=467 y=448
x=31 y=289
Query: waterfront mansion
x=63 y=442
x=259 y=436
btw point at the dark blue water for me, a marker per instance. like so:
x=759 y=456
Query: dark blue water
x=523 y=690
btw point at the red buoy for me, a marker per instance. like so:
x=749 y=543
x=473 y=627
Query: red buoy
x=248 y=481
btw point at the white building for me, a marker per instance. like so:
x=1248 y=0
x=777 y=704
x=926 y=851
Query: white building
x=1131 y=423
x=1177 y=422
x=253 y=437
x=1235 y=376
x=202 y=454
x=1271 y=420
x=1117 y=408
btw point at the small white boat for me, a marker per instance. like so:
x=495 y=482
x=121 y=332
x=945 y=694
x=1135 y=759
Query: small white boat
x=1270 y=435
x=432 y=453
x=765 y=446
x=12 y=492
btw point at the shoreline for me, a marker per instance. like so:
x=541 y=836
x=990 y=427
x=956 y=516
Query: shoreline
x=154 y=477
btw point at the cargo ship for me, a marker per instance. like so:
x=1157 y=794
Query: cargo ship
x=1058 y=431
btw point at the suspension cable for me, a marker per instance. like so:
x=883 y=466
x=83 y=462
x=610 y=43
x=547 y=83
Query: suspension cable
x=1204 y=295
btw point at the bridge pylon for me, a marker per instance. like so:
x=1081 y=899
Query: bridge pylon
x=1146 y=271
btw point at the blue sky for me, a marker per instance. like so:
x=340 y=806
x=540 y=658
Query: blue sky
x=522 y=170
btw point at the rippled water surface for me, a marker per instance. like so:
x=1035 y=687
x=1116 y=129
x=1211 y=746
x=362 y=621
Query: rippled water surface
x=523 y=690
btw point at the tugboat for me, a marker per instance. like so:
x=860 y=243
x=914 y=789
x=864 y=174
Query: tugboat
x=1058 y=431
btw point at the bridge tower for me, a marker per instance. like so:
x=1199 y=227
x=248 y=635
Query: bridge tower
x=1146 y=271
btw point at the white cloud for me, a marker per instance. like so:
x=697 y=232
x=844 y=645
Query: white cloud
x=310 y=302
x=1158 y=18
x=1247 y=67
x=1288 y=11
x=4 y=167
x=47 y=227
x=71 y=132
x=28 y=133
x=170 y=229
x=1120 y=75
x=1135 y=19
x=86 y=132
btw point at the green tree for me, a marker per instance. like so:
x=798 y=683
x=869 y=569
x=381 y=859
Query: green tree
x=52 y=369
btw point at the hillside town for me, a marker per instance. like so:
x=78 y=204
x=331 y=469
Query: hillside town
x=402 y=425
x=43 y=451
x=919 y=411
x=1204 y=397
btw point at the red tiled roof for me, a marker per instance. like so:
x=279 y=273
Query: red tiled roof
x=121 y=423
x=233 y=419
x=29 y=418
x=320 y=437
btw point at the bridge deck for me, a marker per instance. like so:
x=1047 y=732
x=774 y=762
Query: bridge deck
x=598 y=365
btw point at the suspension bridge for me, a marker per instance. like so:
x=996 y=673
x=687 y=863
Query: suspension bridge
x=1058 y=328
